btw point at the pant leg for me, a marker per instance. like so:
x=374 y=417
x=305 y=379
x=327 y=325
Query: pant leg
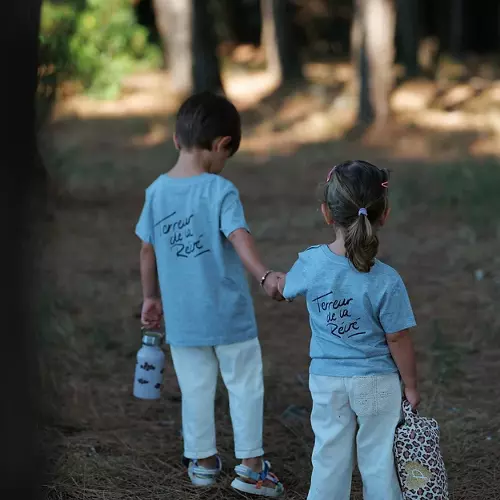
x=197 y=370
x=377 y=403
x=334 y=426
x=241 y=370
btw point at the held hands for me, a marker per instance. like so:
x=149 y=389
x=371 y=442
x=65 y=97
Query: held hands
x=271 y=285
x=152 y=312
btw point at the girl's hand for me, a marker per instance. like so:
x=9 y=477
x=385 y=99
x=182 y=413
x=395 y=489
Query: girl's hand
x=152 y=312
x=281 y=285
x=413 y=397
x=271 y=286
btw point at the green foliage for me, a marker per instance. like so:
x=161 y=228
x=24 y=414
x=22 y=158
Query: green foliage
x=96 y=43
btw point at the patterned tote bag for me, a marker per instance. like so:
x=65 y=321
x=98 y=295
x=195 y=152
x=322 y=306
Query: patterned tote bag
x=419 y=462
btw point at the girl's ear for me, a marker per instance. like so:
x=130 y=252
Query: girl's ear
x=326 y=214
x=176 y=143
x=383 y=219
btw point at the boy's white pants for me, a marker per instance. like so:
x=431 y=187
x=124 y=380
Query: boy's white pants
x=354 y=414
x=197 y=370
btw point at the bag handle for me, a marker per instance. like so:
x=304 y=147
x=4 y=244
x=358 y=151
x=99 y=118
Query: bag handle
x=409 y=413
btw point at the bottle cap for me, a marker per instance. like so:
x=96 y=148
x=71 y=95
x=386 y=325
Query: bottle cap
x=153 y=339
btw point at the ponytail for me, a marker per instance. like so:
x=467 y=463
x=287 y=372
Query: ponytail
x=361 y=243
x=349 y=186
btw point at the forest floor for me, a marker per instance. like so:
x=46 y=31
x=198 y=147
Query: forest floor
x=443 y=237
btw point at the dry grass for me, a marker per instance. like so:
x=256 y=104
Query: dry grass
x=103 y=444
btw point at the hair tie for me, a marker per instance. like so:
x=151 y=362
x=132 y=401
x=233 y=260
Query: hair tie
x=363 y=211
x=385 y=184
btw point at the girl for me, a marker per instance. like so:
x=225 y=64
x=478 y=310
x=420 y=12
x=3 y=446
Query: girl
x=360 y=347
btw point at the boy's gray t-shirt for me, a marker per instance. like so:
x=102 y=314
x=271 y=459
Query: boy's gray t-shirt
x=350 y=312
x=205 y=294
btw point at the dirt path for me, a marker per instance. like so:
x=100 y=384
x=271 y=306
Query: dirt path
x=108 y=446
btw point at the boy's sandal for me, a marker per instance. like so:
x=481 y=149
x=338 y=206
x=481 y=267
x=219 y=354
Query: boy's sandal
x=253 y=482
x=201 y=476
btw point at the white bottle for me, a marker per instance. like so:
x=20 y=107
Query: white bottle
x=149 y=368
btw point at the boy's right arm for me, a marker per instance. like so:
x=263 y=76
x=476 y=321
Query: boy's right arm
x=151 y=306
x=403 y=353
x=151 y=303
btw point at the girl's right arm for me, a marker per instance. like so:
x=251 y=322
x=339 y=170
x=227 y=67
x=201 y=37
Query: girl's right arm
x=403 y=353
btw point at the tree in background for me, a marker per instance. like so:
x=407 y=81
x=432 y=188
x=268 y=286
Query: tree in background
x=242 y=20
x=456 y=27
x=278 y=40
x=408 y=34
x=372 y=46
x=189 y=43
x=206 y=69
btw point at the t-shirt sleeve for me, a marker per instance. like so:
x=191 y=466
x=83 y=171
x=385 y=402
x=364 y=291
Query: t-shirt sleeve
x=396 y=313
x=145 y=225
x=232 y=215
x=295 y=282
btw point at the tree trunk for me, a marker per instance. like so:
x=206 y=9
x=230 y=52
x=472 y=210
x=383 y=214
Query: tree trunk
x=268 y=36
x=377 y=21
x=23 y=203
x=408 y=27
x=174 y=23
x=359 y=87
x=278 y=39
x=242 y=18
x=456 y=28
x=206 y=70
x=366 y=111
x=189 y=43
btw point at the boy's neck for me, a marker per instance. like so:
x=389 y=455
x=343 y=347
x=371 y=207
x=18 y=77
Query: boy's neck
x=190 y=164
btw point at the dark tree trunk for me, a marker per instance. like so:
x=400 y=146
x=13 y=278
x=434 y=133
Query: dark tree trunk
x=374 y=23
x=23 y=204
x=243 y=21
x=366 y=111
x=279 y=41
x=456 y=28
x=206 y=69
x=408 y=28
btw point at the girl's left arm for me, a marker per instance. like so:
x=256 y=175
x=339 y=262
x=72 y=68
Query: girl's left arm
x=403 y=353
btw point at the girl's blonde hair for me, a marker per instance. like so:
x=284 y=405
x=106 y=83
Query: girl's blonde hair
x=356 y=196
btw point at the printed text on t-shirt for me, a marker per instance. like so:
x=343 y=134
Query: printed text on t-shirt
x=338 y=315
x=181 y=237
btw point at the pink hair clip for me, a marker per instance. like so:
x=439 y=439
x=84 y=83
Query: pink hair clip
x=329 y=176
x=385 y=184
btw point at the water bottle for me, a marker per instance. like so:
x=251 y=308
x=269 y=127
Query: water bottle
x=149 y=368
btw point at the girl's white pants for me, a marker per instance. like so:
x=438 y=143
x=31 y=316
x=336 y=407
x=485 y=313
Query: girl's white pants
x=354 y=415
x=197 y=370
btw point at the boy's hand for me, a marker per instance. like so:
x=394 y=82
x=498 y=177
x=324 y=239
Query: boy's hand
x=271 y=285
x=152 y=312
x=413 y=397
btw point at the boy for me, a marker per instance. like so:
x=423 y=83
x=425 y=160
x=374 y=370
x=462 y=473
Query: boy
x=194 y=242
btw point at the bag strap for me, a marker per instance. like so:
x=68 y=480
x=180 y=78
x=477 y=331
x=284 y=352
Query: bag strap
x=409 y=413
